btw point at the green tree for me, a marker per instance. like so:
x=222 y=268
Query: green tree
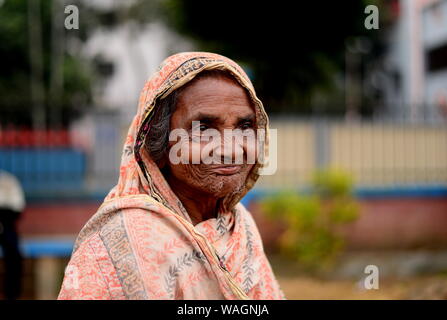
x=312 y=220
x=292 y=48
x=38 y=53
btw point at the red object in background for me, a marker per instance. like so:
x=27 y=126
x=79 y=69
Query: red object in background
x=395 y=9
x=7 y=137
x=388 y=223
x=403 y=223
x=39 y=138
x=27 y=138
x=56 y=218
x=57 y=138
x=34 y=138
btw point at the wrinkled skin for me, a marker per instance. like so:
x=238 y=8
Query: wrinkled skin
x=218 y=103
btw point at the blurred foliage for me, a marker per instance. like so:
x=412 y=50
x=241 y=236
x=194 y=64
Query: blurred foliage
x=311 y=220
x=292 y=50
x=78 y=74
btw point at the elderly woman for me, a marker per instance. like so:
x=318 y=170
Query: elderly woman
x=170 y=228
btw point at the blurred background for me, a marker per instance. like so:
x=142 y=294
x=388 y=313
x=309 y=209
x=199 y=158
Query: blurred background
x=360 y=113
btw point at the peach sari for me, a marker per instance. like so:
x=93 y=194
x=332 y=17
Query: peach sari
x=141 y=244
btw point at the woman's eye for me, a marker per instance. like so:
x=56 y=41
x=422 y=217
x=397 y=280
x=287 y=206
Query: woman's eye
x=246 y=125
x=203 y=127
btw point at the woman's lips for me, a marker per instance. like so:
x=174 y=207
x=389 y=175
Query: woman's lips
x=227 y=170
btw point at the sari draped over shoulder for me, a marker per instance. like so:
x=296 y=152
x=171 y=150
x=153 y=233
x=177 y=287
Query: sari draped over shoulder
x=141 y=243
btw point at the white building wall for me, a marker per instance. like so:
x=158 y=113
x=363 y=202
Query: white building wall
x=434 y=17
x=421 y=26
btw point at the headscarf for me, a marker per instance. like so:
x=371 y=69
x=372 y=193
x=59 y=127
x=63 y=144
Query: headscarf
x=143 y=237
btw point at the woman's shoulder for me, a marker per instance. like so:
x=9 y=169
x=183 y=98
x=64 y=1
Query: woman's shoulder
x=111 y=216
x=128 y=226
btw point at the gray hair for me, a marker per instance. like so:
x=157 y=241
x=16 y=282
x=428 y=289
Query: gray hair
x=159 y=127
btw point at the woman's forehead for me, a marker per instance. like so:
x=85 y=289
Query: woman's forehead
x=211 y=95
x=207 y=88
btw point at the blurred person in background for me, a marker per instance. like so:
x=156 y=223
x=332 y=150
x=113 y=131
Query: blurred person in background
x=12 y=203
x=177 y=230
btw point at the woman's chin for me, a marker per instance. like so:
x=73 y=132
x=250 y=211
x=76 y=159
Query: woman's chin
x=222 y=186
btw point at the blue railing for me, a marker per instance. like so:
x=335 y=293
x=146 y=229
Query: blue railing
x=49 y=169
x=366 y=193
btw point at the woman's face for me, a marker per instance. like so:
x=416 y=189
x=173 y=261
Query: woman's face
x=215 y=104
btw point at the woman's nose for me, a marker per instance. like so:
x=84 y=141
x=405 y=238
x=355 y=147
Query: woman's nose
x=230 y=151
